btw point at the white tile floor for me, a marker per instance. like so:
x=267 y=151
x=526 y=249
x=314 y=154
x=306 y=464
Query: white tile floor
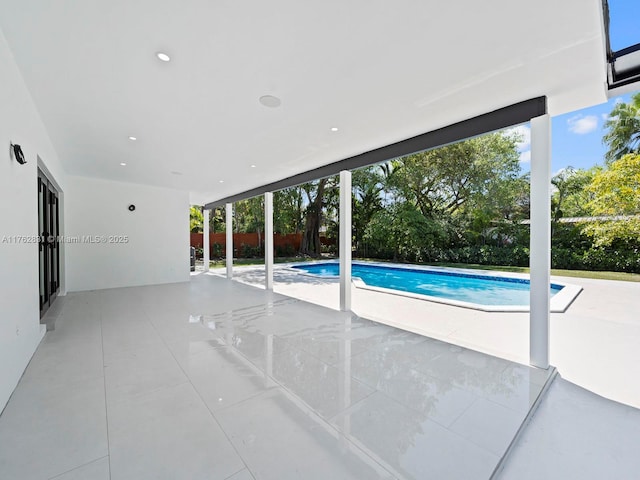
x=218 y=380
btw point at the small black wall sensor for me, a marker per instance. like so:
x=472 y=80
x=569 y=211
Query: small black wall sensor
x=18 y=155
x=132 y=207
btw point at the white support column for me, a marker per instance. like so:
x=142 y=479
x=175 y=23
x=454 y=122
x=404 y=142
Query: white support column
x=540 y=246
x=229 y=243
x=205 y=240
x=268 y=240
x=345 y=241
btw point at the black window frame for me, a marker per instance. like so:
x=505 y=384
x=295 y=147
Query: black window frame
x=616 y=76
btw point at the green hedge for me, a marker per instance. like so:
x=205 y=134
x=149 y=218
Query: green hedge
x=571 y=249
x=596 y=259
x=602 y=259
x=482 y=254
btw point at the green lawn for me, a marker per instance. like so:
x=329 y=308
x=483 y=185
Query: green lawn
x=627 y=277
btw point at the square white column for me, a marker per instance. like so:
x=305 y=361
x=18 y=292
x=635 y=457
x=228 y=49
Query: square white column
x=205 y=239
x=268 y=240
x=345 y=241
x=229 y=243
x=540 y=246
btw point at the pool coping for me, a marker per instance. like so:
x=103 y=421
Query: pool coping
x=559 y=303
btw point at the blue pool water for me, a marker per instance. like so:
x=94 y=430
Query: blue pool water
x=478 y=289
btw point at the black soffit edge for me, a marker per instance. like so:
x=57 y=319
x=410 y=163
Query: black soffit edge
x=489 y=122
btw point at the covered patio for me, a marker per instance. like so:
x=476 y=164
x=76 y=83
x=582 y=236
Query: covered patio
x=116 y=363
x=217 y=379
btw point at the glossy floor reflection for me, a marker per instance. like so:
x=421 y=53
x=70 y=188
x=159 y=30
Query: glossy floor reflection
x=216 y=379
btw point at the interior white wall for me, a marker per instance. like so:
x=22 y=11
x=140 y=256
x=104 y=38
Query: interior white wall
x=157 y=246
x=20 y=330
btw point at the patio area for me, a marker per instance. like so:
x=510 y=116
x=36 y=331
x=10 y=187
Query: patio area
x=216 y=379
x=594 y=344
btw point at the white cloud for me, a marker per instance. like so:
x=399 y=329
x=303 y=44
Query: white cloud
x=583 y=125
x=524 y=133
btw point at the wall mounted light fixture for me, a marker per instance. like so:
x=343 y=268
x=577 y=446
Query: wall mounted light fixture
x=18 y=154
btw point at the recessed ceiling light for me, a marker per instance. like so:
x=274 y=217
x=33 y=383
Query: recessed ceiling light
x=334 y=129
x=123 y=164
x=133 y=139
x=221 y=181
x=163 y=56
x=176 y=173
x=253 y=166
x=270 y=101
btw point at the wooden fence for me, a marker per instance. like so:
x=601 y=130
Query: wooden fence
x=248 y=244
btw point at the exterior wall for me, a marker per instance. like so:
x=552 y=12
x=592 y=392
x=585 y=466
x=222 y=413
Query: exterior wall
x=20 y=123
x=149 y=246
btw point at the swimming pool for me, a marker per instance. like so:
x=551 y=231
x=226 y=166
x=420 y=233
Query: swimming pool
x=484 y=291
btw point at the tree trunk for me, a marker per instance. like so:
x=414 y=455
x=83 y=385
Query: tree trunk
x=260 y=246
x=311 y=238
x=299 y=210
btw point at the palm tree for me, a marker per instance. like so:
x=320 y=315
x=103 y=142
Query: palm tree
x=623 y=129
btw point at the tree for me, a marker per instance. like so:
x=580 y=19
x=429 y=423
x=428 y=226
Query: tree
x=196 y=219
x=313 y=216
x=368 y=183
x=288 y=210
x=464 y=186
x=516 y=204
x=616 y=191
x=623 y=129
x=571 y=197
x=448 y=179
x=217 y=222
x=401 y=232
x=249 y=215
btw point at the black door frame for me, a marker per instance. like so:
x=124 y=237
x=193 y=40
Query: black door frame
x=49 y=245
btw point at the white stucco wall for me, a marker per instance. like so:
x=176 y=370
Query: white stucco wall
x=147 y=246
x=20 y=123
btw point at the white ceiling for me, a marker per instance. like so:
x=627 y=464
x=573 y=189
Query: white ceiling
x=380 y=70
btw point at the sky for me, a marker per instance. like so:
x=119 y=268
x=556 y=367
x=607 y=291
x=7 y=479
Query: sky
x=624 y=16
x=576 y=137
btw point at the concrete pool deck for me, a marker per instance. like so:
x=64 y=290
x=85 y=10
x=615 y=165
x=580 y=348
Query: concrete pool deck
x=594 y=344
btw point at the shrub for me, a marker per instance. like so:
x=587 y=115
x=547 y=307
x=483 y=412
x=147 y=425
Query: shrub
x=250 y=251
x=216 y=250
x=612 y=260
x=286 y=250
